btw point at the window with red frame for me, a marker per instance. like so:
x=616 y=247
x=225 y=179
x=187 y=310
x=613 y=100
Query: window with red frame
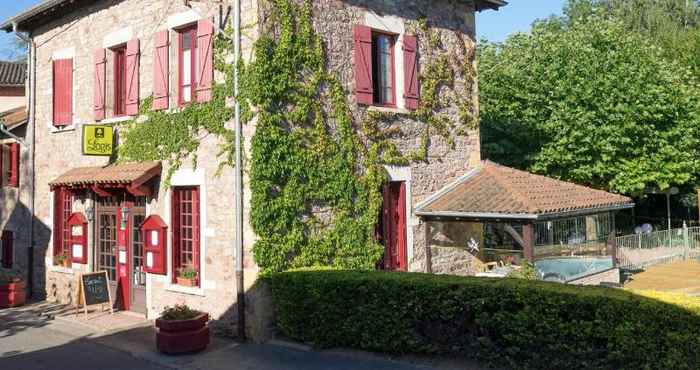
x=187 y=64
x=185 y=224
x=119 y=81
x=9 y=165
x=383 y=77
x=63 y=206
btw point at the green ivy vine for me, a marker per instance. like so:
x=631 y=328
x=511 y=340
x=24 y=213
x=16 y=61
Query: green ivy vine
x=315 y=173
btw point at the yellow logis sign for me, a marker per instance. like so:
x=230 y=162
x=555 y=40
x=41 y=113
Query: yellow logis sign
x=98 y=140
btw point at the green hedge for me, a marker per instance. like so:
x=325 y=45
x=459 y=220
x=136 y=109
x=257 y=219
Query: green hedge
x=507 y=322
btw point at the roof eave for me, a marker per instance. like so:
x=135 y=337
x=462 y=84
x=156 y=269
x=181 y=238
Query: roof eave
x=520 y=216
x=481 y=5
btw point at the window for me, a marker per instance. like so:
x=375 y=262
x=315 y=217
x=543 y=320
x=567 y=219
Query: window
x=62 y=92
x=383 y=69
x=187 y=61
x=185 y=223
x=375 y=65
x=9 y=165
x=6 y=253
x=119 y=81
x=63 y=207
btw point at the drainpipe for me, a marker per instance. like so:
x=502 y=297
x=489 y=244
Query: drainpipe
x=31 y=64
x=238 y=174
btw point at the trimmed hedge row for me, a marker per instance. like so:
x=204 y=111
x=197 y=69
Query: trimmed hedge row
x=508 y=322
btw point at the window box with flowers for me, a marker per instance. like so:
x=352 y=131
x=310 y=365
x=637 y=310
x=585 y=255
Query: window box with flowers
x=62 y=260
x=188 y=276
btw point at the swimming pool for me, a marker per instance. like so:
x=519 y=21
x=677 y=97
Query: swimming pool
x=565 y=269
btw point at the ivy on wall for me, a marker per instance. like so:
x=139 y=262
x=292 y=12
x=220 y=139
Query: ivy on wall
x=315 y=174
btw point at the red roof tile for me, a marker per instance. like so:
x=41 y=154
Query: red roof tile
x=495 y=190
x=127 y=173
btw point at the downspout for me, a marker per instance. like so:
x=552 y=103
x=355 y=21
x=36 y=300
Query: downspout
x=31 y=64
x=238 y=174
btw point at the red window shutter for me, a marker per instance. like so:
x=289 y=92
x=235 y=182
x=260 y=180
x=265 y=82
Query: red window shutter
x=57 y=221
x=195 y=228
x=175 y=253
x=7 y=241
x=363 y=64
x=205 y=66
x=132 y=77
x=161 y=73
x=62 y=92
x=411 y=86
x=99 y=84
x=14 y=165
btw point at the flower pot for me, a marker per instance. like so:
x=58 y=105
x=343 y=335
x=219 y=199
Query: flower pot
x=12 y=294
x=182 y=336
x=187 y=282
x=66 y=263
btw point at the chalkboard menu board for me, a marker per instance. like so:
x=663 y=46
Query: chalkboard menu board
x=94 y=289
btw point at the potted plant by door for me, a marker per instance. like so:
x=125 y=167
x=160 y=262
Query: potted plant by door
x=187 y=276
x=182 y=330
x=63 y=260
x=12 y=291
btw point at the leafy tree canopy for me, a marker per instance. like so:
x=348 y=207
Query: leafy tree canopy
x=590 y=102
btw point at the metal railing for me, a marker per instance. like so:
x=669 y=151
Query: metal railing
x=647 y=249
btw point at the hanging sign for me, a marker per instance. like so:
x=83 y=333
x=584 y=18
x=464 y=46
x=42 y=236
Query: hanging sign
x=98 y=140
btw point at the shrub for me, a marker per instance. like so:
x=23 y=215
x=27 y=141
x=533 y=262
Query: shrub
x=179 y=312
x=510 y=322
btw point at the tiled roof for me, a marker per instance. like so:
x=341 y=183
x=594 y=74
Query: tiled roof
x=128 y=174
x=12 y=73
x=493 y=191
x=14 y=117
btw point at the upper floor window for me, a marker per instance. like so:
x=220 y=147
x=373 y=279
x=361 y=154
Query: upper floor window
x=378 y=61
x=187 y=57
x=383 y=69
x=119 y=81
x=62 y=92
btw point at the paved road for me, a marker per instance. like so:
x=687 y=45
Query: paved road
x=35 y=343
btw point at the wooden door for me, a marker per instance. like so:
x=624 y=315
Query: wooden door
x=106 y=239
x=394 y=226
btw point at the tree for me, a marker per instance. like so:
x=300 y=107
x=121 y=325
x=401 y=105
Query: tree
x=674 y=25
x=592 y=103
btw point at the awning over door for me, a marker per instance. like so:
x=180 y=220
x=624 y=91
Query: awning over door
x=132 y=177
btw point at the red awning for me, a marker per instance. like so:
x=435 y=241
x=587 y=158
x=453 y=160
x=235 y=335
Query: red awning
x=131 y=177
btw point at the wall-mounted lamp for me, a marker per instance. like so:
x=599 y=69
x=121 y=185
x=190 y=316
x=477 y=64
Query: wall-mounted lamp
x=90 y=212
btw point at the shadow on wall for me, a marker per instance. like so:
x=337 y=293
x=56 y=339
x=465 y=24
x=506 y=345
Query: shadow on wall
x=20 y=223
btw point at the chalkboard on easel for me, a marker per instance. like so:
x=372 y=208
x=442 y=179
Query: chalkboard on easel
x=93 y=289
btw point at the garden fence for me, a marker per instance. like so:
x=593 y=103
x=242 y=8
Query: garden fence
x=646 y=249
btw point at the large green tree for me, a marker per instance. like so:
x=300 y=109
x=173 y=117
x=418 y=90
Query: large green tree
x=590 y=102
x=673 y=25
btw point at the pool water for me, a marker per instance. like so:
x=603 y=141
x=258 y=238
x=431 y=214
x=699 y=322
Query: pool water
x=564 y=269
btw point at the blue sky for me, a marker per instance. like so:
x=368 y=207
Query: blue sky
x=518 y=15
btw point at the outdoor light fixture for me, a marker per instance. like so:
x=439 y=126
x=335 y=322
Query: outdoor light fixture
x=125 y=217
x=90 y=212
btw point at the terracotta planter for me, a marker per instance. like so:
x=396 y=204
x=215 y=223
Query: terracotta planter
x=13 y=294
x=66 y=263
x=182 y=336
x=186 y=282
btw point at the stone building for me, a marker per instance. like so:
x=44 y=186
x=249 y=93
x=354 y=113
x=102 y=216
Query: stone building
x=12 y=89
x=92 y=63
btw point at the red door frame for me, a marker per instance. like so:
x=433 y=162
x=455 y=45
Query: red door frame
x=123 y=238
x=394 y=226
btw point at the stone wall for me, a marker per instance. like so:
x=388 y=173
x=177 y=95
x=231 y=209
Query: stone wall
x=609 y=276
x=78 y=35
x=91 y=27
